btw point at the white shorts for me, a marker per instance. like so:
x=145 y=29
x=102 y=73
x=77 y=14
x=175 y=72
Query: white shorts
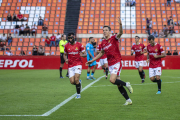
x=138 y=63
x=155 y=71
x=115 y=69
x=74 y=70
x=103 y=61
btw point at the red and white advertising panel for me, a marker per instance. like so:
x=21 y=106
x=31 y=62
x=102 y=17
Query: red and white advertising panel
x=53 y=62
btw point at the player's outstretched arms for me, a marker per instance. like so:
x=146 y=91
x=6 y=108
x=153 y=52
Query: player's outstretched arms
x=120 y=29
x=160 y=56
x=65 y=58
x=95 y=58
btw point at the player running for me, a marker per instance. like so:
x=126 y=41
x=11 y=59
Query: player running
x=110 y=46
x=73 y=50
x=155 y=53
x=90 y=50
x=139 y=50
x=103 y=60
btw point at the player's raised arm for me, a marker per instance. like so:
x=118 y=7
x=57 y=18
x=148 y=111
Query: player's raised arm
x=120 y=29
x=95 y=58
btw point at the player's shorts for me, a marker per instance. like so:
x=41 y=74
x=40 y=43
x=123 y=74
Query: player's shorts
x=62 y=58
x=116 y=68
x=103 y=61
x=155 y=71
x=139 y=63
x=74 y=70
x=88 y=59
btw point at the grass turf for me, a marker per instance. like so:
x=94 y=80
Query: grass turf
x=34 y=92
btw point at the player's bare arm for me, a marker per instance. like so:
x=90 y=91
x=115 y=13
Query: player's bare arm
x=147 y=58
x=132 y=51
x=120 y=29
x=90 y=54
x=65 y=58
x=83 y=54
x=160 y=56
x=144 y=51
x=97 y=57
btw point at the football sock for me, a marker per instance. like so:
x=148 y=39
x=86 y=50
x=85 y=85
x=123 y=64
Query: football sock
x=92 y=74
x=120 y=82
x=159 y=84
x=67 y=73
x=141 y=75
x=106 y=71
x=88 y=73
x=155 y=80
x=60 y=69
x=123 y=92
x=104 y=68
x=78 y=86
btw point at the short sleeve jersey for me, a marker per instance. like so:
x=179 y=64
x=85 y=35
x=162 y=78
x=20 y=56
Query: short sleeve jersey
x=53 y=38
x=73 y=52
x=137 y=49
x=89 y=47
x=152 y=50
x=99 y=48
x=111 y=49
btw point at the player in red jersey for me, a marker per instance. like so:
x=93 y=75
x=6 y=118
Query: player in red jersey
x=73 y=49
x=103 y=60
x=110 y=46
x=139 y=50
x=155 y=53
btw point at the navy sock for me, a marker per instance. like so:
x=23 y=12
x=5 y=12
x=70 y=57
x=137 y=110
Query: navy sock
x=123 y=92
x=120 y=82
x=78 y=86
x=106 y=71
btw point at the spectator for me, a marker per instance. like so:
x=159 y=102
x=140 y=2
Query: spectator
x=58 y=38
x=170 y=21
x=179 y=22
x=41 y=50
x=175 y=52
x=34 y=51
x=9 y=17
x=45 y=30
x=147 y=24
x=133 y=3
x=169 y=53
x=10 y=39
x=52 y=39
x=14 y=17
x=0 y=38
x=47 y=41
x=150 y=23
x=27 y=30
x=34 y=29
x=165 y=30
x=3 y=39
x=40 y=22
x=161 y=34
x=128 y=3
x=155 y=34
x=112 y=34
x=22 y=53
x=178 y=1
x=171 y=30
x=4 y=48
x=16 y=29
x=9 y=53
x=22 y=30
x=20 y=17
x=169 y=2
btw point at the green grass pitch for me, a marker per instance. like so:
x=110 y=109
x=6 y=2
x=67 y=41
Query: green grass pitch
x=34 y=92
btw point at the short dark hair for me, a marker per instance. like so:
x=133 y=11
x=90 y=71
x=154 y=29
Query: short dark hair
x=151 y=37
x=62 y=35
x=69 y=34
x=90 y=38
x=107 y=27
x=137 y=36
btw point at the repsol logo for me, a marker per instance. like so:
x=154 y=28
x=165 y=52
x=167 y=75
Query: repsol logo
x=16 y=63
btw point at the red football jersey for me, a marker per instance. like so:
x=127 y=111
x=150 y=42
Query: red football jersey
x=137 y=49
x=20 y=16
x=73 y=52
x=111 y=49
x=53 y=38
x=156 y=49
x=99 y=48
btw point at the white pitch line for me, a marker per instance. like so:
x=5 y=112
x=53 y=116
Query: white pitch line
x=137 y=84
x=70 y=98
x=20 y=115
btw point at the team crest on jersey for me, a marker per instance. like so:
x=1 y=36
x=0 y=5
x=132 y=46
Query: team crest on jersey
x=156 y=50
x=109 y=41
x=76 y=48
x=140 y=47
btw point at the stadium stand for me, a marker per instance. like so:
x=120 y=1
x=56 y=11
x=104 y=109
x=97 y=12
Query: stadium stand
x=93 y=15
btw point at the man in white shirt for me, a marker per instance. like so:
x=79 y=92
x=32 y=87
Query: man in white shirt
x=21 y=30
x=58 y=38
x=9 y=53
x=34 y=29
x=3 y=39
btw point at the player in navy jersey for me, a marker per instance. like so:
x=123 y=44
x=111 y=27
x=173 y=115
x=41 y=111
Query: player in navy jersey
x=110 y=47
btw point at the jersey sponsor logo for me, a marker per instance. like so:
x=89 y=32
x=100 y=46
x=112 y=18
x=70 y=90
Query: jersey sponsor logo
x=137 y=50
x=87 y=47
x=152 y=53
x=108 y=46
x=73 y=53
x=16 y=63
